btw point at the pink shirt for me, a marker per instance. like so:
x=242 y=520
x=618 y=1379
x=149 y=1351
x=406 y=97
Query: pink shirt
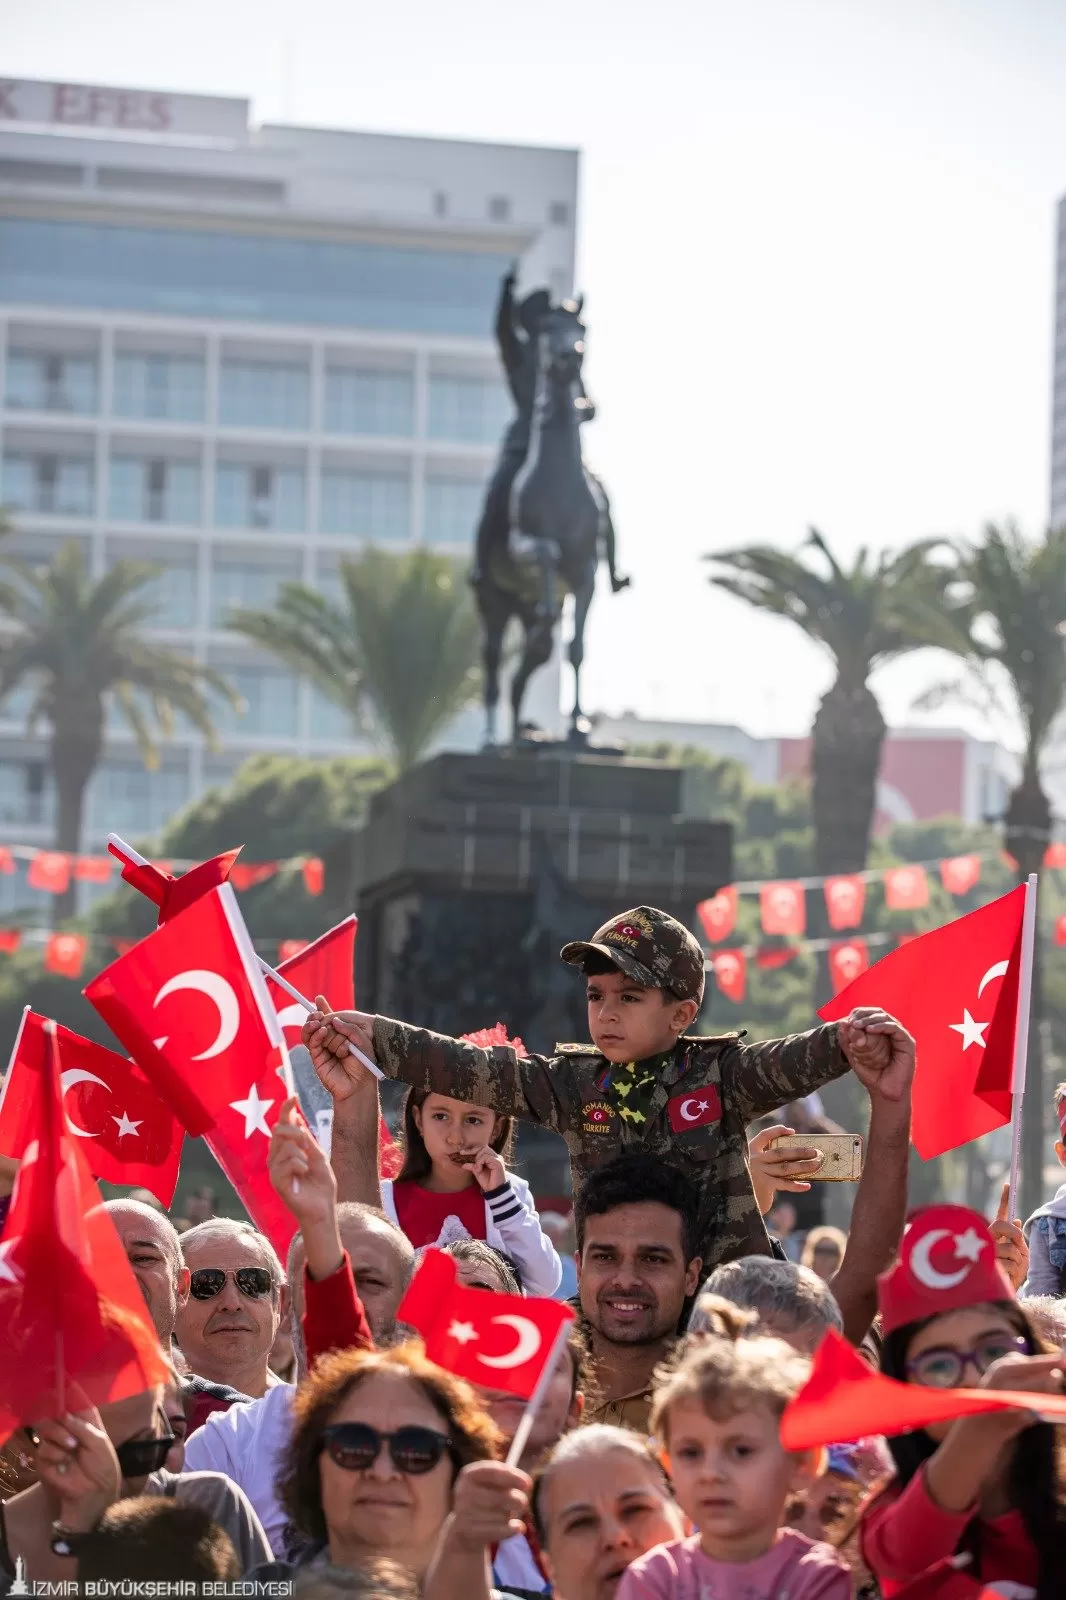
x=794 y=1569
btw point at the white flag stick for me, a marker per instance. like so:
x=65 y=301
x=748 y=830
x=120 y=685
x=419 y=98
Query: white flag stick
x=268 y=971
x=1021 y=1037
x=533 y=1404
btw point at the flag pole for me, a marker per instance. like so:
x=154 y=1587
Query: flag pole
x=265 y=968
x=533 y=1404
x=52 y=1031
x=1021 y=1037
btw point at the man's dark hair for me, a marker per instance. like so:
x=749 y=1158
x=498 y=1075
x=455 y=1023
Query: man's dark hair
x=633 y=1179
x=151 y=1537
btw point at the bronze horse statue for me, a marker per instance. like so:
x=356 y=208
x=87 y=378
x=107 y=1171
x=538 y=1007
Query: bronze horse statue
x=546 y=519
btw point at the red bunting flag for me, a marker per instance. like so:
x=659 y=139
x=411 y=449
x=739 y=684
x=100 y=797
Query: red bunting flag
x=7 y=860
x=731 y=973
x=844 y=1399
x=172 y=894
x=127 y=1133
x=845 y=900
x=782 y=908
x=846 y=961
x=1055 y=854
x=291 y=947
x=314 y=875
x=503 y=1341
x=64 y=954
x=1059 y=935
x=191 y=1006
x=770 y=957
x=246 y=876
x=93 y=869
x=718 y=915
x=906 y=888
x=74 y=1328
x=963 y=1022
x=50 y=872
x=10 y=939
x=958 y=874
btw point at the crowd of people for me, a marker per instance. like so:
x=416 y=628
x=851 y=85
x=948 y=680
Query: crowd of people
x=305 y=1437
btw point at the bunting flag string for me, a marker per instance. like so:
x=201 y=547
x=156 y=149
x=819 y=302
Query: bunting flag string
x=53 y=871
x=66 y=951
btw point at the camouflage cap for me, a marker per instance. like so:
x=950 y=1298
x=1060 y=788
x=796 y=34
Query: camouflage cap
x=650 y=947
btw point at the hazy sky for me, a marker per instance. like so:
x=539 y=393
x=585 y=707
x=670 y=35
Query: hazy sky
x=816 y=244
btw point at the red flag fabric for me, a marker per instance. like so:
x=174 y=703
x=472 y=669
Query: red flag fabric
x=10 y=939
x=64 y=954
x=314 y=875
x=503 y=1341
x=171 y=894
x=1055 y=854
x=844 y=1399
x=93 y=869
x=770 y=957
x=694 y=1110
x=846 y=961
x=291 y=947
x=718 y=915
x=74 y=1328
x=49 y=871
x=782 y=908
x=190 y=994
x=958 y=874
x=1059 y=935
x=906 y=888
x=246 y=877
x=948 y=1580
x=731 y=973
x=126 y=1132
x=7 y=860
x=963 y=1020
x=845 y=900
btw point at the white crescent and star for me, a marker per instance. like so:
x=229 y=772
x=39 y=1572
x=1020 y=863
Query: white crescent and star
x=253 y=1109
x=968 y=1247
x=215 y=987
x=692 y=1116
x=124 y=1123
x=972 y=1032
x=999 y=970
x=292 y=1017
x=8 y=1273
x=526 y=1348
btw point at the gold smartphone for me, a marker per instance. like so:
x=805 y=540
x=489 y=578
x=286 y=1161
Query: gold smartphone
x=842 y=1152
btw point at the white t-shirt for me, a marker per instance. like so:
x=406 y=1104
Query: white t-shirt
x=246 y=1443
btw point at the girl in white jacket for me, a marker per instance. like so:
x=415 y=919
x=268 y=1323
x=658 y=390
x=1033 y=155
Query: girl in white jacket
x=454 y=1184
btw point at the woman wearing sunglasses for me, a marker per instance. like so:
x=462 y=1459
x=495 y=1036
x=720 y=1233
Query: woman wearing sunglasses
x=87 y=1461
x=385 y=1447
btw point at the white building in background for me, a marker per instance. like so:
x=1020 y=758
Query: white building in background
x=244 y=353
x=1058 y=402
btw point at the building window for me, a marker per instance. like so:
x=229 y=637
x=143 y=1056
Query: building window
x=42 y=381
x=264 y=394
x=259 y=497
x=472 y=410
x=499 y=208
x=127 y=797
x=174 y=593
x=271 y=703
x=170 y=388
x=52 y=485
x=329 y=722
x=144 y=489
x=368 y=505
x=453 y=506
x=559 y=213
x=243 y=585
x=440 y=204
x=27 y=793
x=368 y=401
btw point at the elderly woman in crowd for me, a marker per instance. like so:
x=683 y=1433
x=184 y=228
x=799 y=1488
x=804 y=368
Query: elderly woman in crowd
x=385 y=1447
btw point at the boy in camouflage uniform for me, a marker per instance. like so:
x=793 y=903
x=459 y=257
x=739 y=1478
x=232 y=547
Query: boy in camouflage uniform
x=644 y=1082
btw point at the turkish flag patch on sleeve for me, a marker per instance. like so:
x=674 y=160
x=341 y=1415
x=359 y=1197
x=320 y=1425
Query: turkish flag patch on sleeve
x=695 y=1108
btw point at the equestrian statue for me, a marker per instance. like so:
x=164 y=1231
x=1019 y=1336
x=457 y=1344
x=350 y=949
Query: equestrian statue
x=546 y=519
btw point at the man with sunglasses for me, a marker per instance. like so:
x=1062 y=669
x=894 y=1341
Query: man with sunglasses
x=227 y=1325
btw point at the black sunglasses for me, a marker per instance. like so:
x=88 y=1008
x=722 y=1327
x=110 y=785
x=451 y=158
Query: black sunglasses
x=206 y=1282
x=355 y=1446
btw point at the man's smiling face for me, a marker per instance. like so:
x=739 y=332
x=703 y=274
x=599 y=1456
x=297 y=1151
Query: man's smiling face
x=629 y=1022
x=633 y=1278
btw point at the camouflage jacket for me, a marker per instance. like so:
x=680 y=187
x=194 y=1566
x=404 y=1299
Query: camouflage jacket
x=707 y=1092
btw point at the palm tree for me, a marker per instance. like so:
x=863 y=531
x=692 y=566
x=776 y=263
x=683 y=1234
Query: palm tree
x=1015 y=590
x=864 y=615
x=75 y=641
x=397 y=649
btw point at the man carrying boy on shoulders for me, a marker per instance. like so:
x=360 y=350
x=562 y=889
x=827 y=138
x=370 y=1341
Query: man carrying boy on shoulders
x=644 y=1083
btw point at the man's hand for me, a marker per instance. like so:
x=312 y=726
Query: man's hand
x=326 y=1035
x=489 y=1504
x=779 y=1169
x=77 y=1461
x=880 y=1052
x=299 y=1170
x=488 y=1169
x=1012 y=1252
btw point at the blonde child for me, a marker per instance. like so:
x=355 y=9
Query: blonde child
x=716 y=1417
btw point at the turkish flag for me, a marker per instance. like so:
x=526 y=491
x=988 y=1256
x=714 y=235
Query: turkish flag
x=846 y=960
x=783 y=908
x=1055 y=855
x=906 y=888
x=172 y=894
x=314 y=875
x=956 y=990
x=1059 y=935
x=191 y=1006
x=845 y=900
x=74 y=1328
x=64 y=954
x=50 y=871
x=695 y=1109
x=246 y=877
x=844 y=1399
x=958 y=874
x=10 y=939
x=770 y=957
x=731 y=973
x=291 y=947
x=93 y=869
x=503 y=1341
x=7 y=860
x=126 y=1132
x=718 y=915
